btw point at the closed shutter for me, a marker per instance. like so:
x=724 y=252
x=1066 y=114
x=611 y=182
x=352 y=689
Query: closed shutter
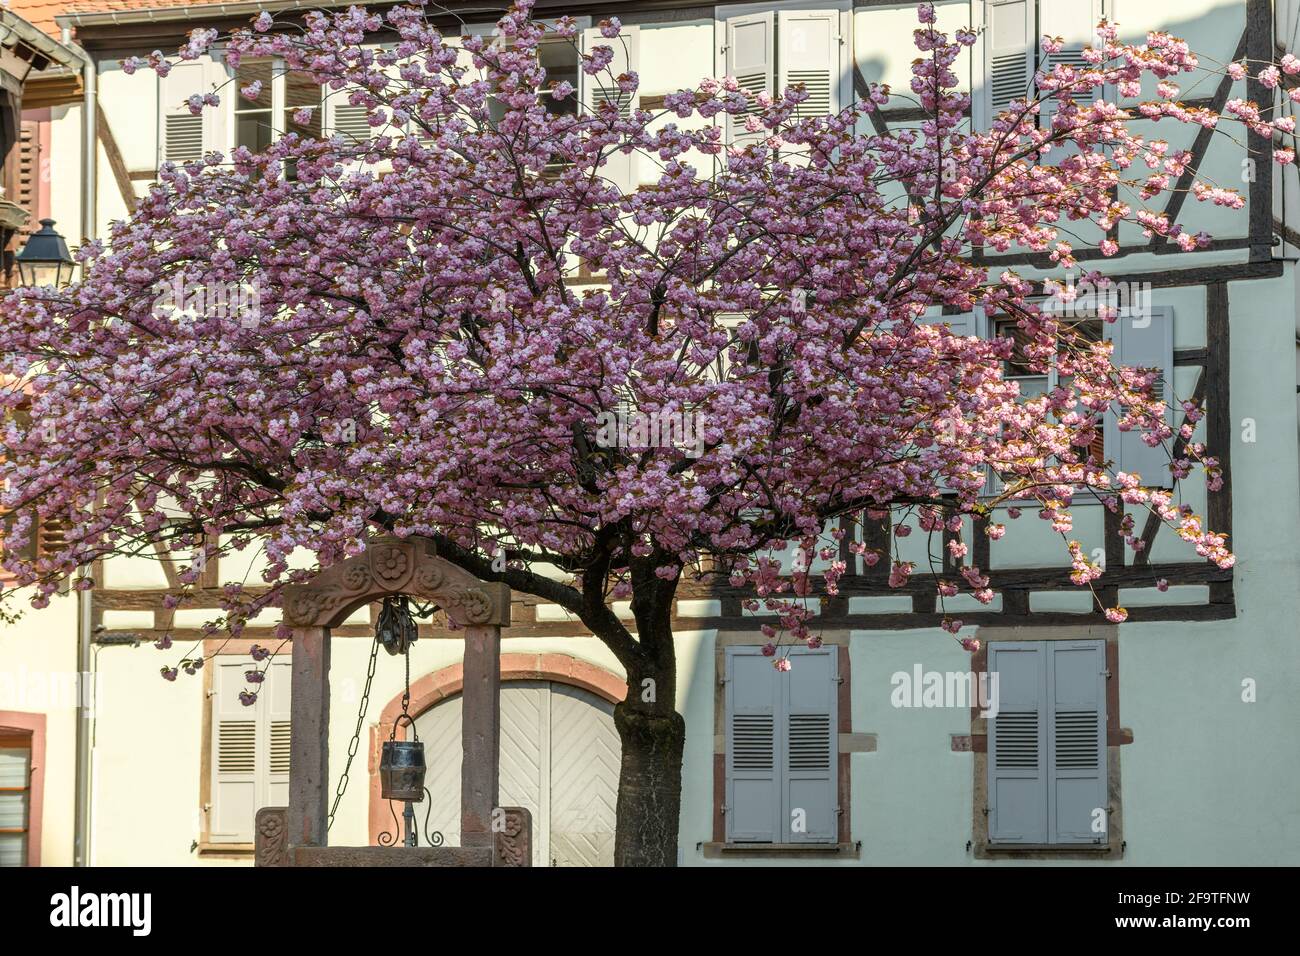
x=810 y=737
x=351 y=122
x=181 y=138
x=964 y=323
x=275 y=698
x=750 y=57
x=1077 y=797
x=1075 y=21
x=809 y=54
x=1010 y=42
x=1145 y=341
x=1017 y=759
x=753 y=708
x=234 y=757
x=23 y=179
x=620 y=168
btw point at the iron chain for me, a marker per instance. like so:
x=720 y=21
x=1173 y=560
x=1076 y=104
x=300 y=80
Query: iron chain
x=355 y=743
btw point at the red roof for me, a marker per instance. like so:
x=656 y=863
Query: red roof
x=41 y=13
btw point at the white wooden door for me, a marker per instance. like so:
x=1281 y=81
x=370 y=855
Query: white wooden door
x=559 y=758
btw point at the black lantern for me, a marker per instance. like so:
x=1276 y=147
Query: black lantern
x=401 y=770
x=45 y=260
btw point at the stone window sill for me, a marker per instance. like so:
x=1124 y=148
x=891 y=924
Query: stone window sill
x=787 y=850
x=235 y=850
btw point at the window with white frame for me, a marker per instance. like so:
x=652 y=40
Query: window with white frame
x=1142 y=338
x=249 y=748
x=1047 y=767
x=282 y=94
x=782 y=746
x=768 y=47
x=1011 y=51
x=239 y=121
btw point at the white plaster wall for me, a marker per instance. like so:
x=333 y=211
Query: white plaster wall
x=38 y=670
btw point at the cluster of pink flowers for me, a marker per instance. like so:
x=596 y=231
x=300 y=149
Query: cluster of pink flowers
x=424 y=361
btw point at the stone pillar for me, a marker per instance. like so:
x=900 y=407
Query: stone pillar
x=309 y=790
x=480 y=734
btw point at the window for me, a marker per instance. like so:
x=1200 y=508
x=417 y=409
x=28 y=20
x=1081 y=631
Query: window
x=16 y=772
x=1142 y=337
x=260 y=122
x=184 y=137
x=249 y=748
x=1012 y=51
x=1034 y=383
x=771 y=49
x=782 y=753
x=1047 y=758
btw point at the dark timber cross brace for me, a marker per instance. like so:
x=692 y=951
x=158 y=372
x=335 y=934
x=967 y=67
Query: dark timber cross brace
x=297 y=835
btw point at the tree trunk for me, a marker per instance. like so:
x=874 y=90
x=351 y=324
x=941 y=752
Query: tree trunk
x=652 y=732
x=649 y=786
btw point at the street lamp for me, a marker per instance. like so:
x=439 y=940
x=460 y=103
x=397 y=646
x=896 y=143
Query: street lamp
x=45 y=260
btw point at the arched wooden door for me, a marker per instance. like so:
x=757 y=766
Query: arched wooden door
x=559 y=758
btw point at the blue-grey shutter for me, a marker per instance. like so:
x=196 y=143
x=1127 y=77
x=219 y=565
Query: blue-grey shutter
x=1017 y=759
x=1077 y=800
x=1010 y=45
x=1075 y=22
x=1142 y=341
x=809 y=738
x=753 y=704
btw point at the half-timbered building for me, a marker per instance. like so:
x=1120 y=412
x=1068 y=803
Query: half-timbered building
x=1167 y=739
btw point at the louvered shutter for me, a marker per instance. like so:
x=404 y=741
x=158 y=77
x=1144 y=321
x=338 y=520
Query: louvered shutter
x=809 y=735
x=809 y=54
x=274 y=730
x=1075 y=21
x=753 y=707
x=234 y=757
x=23 y=176
x=1077 y=797
x=1145 y=341
x=1010 y=44
x=352 y=122
x=620 y=168
x=964 y=323
x=750 y=58
x=1017 y=758
x=181 y=138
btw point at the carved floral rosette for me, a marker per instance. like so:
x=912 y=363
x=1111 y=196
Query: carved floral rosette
x=512 y=845
x=271 y=836
x=388 y=566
